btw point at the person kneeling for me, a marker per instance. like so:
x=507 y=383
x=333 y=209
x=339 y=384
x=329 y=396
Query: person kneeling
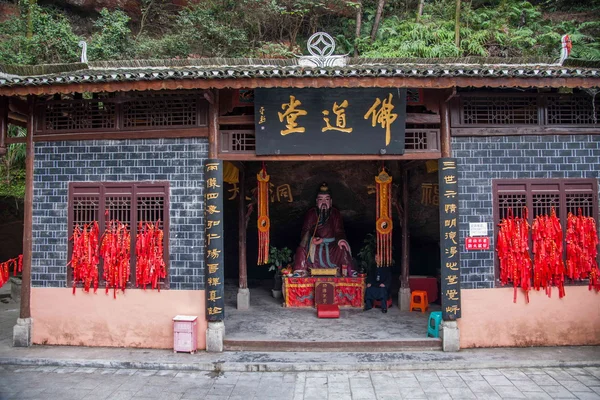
x=378 y=286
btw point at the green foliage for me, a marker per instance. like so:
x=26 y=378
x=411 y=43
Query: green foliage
x=279 y=258
x=504 y=28
x=279 y=29
x=12 y=166
x=53 y=40
x=113 y=39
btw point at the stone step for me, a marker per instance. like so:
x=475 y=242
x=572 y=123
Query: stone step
x=424 y=344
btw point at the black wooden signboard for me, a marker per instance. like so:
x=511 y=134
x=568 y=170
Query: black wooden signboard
x=330 y=121
x=450 y=254
x=215 y=257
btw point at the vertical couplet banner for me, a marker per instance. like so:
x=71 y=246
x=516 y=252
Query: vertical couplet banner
x=449 y=249
x=215 y=257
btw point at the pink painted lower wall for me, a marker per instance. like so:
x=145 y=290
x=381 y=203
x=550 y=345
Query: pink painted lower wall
x=491 y=319
x=136 y=318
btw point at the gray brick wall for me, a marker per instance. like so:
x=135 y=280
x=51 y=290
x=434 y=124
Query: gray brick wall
x=179 y=161
x=481 y=159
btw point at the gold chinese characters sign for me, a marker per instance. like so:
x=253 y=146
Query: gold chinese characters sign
x=215 y=257
x=450 y=255
x=330 y=121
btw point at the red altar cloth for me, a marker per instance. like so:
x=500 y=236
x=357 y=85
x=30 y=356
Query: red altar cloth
x=300 y=292
x=426 y=283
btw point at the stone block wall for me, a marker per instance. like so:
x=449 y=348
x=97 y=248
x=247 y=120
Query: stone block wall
x=179 y=161
x=483 y=159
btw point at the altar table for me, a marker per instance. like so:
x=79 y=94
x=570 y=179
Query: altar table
x=300 y=292
x=426 y=283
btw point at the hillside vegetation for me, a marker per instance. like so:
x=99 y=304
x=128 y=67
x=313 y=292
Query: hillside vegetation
x=46 y=33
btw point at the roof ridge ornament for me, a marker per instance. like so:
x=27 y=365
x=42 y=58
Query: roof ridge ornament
x=565 y=51
x=321 y=46
x=83 y=46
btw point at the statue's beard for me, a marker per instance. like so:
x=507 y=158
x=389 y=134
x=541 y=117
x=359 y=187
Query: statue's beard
x=324 y=214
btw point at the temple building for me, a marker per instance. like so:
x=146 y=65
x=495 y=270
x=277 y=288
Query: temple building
x=160 y=188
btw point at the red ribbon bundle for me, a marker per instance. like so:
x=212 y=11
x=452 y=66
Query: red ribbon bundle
x=513 y=252
x=150 y=263
x=582 y=249
x=84 y=259
x=17 y=264
x=116 y=253
x=548 y=266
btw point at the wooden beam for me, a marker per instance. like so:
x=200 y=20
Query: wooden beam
x=418 y=118
x=445 y=129
x=236 y=120
x=433 y=155
x=173 y=133
x=304 y=82
x=213 y=126
x=525 y=130
x=404 y=267
x=243 y=270
x=25 y=311
x=3 y=124
x=18 y=106
x=17 y=117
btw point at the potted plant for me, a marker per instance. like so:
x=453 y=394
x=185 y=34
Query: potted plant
x=279 y=259
x=367 y=254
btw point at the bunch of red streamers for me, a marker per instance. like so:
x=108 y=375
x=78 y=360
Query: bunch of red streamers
x=582 y=249
x=116 y=253
x=513 y=252
x=150 y=263
x=548 y=265
x=16 y=263
x=85 y=258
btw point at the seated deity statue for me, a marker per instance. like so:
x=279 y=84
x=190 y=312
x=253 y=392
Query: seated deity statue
x=323 y=244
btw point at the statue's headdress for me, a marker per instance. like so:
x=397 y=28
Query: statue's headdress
x=323 y=189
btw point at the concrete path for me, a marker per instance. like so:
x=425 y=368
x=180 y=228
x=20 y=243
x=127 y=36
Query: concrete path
x=44 y=383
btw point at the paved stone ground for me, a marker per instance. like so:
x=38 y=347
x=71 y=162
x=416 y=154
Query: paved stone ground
x=268 y=320
x=18 y=382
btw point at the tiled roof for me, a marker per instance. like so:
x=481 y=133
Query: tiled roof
x=206 y=69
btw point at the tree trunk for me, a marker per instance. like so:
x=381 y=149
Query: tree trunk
x=380 y=6
x=30 y=19
x=358 y=26
x=420 y=10
x=457 y=26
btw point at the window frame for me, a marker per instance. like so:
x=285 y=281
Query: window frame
x=535 y=186
x=133 y=190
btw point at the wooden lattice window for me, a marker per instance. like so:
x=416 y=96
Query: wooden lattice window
x=495 y=109
x=572 y=110
x=130 y=111
x=129 y=203
x=541 y=195
x=162 y=111
x=78 y=115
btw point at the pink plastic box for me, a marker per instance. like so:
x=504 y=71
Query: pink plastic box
x=185 y=333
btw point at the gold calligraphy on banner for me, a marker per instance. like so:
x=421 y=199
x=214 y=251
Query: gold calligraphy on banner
x=291 y=113
x=340 y=118
x=383 y=116
x=280 y=194
x=430 y=194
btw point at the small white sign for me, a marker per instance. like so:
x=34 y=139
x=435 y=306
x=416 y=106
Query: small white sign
x=478 y=229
